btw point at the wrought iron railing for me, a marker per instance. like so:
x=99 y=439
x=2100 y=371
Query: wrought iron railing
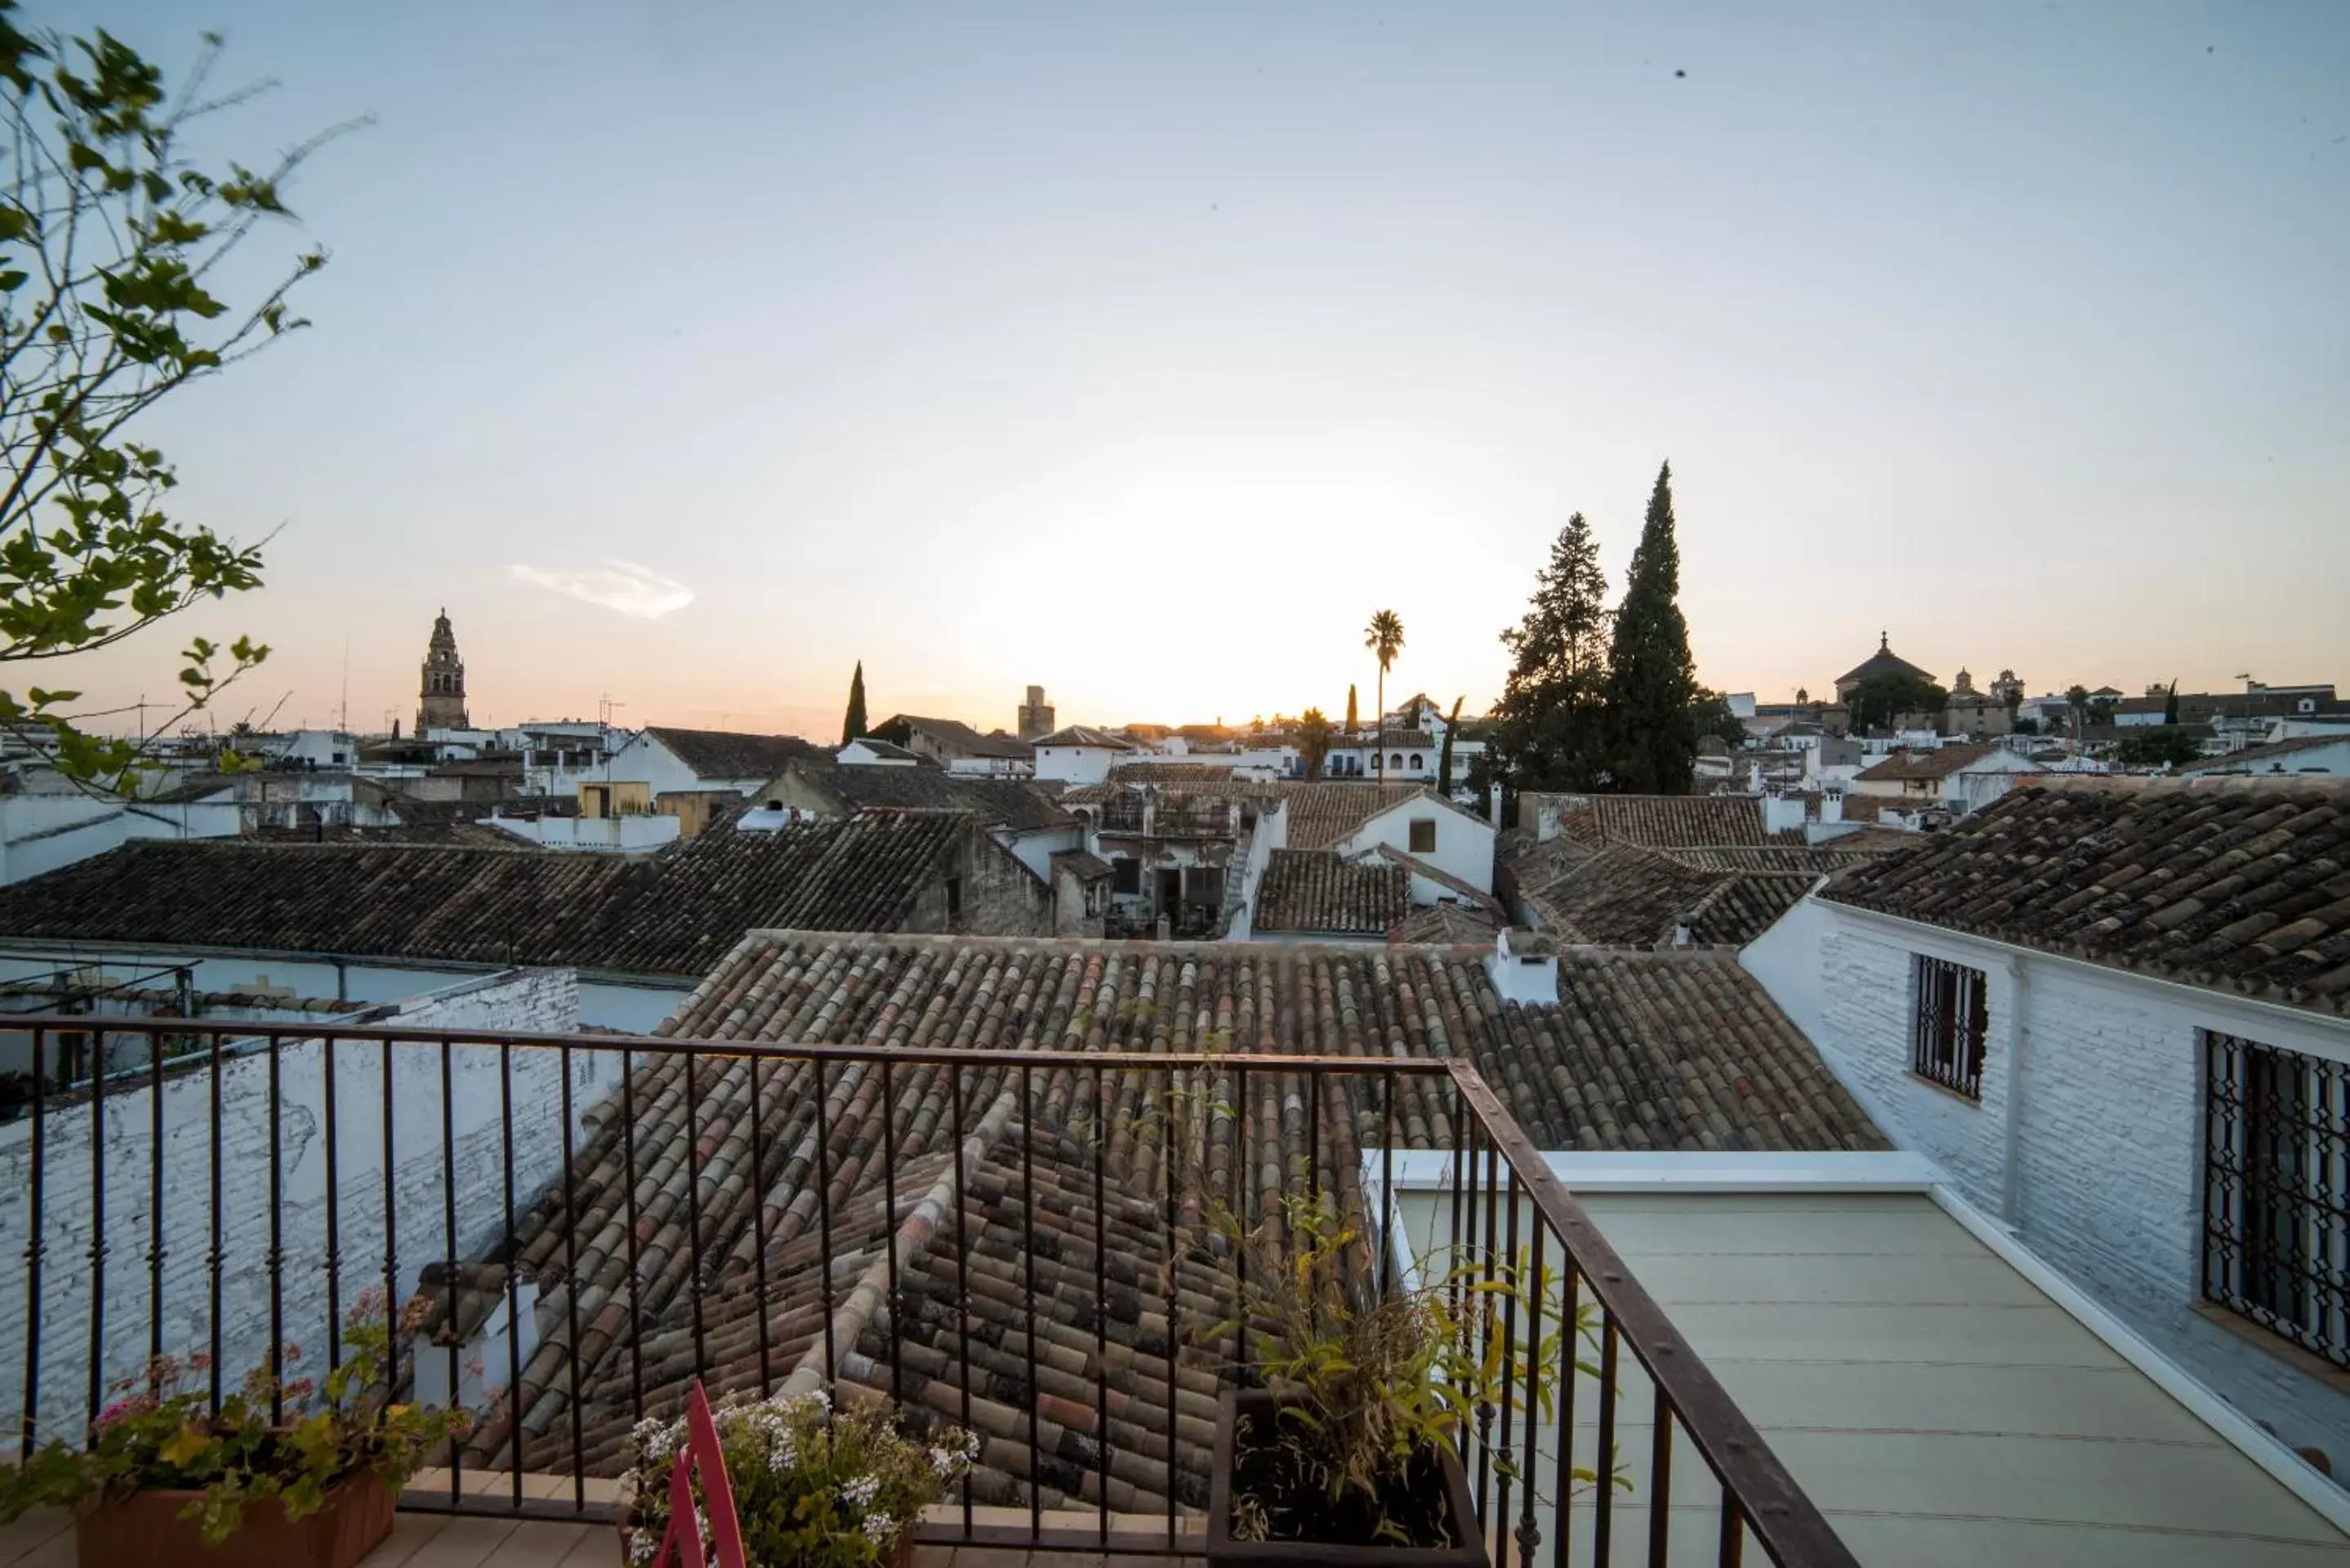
x=993 y=1238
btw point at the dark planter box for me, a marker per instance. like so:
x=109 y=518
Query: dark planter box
x=1261 y=1407
x=145 y=1530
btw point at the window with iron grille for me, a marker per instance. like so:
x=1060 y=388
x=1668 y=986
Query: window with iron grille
x=2276 y=1190
x=1946 y=1042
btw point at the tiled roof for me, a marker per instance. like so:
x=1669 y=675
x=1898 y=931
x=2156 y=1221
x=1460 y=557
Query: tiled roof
x=1084 y=735
x=1938 y=763
x=731 y=754
x=1315 y=891
x=1858 y=808
x=1083 y=865
x=675 y=912
x=1792 y=860
x=1006 y=802
x=1468 y=891
x=1626 y=895
x=959 y=736
x=874 y=746
x=1322 y=815
x=1446 y=923
x=1169 y=773
x=2240 y=884
x=1679 y=1051
x=2261 y=759
x=1667 y=821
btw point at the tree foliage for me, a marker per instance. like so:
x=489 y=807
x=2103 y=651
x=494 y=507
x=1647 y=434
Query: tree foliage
x=112 y=242
x=2155 y=746
x=853 y=725
x=1314 y=741
x=1552 y=729
x=1384 y=638
x=1714 y=718
x=1882 y=699
x=1444 y=756
x=1651 y=679
x=1354 y=719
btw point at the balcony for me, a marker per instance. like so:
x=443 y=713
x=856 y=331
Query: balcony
x=993 y=1239
x=1204 y=819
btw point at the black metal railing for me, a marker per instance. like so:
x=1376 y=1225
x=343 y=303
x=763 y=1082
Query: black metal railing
x=1213 y=820
x=999 y=1240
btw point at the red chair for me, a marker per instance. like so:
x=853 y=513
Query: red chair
x=701 y=1453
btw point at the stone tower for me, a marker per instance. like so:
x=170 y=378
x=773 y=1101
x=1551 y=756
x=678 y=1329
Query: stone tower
x=1035 y=715
x=442 y=704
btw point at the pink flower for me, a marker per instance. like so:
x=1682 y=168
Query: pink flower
x=300 y=1388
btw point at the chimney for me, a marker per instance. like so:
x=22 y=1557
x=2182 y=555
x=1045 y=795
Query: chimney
x=1493 y=804
x=1684 y=929
x=1524 y=972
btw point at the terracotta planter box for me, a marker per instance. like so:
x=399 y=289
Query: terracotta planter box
x=1261 y=1407
x=145 y=1530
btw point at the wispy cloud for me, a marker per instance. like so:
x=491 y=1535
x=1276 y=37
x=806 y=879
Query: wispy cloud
x=620 y=586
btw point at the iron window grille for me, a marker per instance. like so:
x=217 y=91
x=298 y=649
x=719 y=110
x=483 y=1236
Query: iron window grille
x=1946 y=1042
x=2276 y=1231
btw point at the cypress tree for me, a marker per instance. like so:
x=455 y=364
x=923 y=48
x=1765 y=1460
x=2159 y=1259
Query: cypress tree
x=1444 y=757
x=1651 y=679
x=854 y=725
x=1351 y=721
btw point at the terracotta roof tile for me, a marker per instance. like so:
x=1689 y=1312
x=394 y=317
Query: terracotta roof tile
x=675 y=912
x=1679 y=1051
x=1938 y=763
x=2240 y=884
x=1007 y=803
x=1665 y=821
x=1315 y=891
x=1622 y=895
x=733 y=754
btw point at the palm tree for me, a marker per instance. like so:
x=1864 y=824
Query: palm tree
x=2076 y=699
x=1384 y=638
x=1314 y=741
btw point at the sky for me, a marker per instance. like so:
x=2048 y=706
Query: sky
x=690 y=353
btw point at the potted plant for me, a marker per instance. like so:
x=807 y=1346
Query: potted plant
x=1359 y=1387
x=1348 y=1448
x=163 y=1478
x=813 y=1486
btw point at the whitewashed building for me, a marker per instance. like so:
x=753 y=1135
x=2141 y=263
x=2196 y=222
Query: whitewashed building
x=2308 y=755
x=1081 y=755
x=1958 y=778
x=2112 y=1013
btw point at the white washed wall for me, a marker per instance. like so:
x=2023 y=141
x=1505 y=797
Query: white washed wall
x=1464 y=843
x=534 y=1000
x=2106 y=1176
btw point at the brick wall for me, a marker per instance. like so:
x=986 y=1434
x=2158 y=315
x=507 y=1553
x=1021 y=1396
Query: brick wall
x=2108 y=1184
x=535 y=1000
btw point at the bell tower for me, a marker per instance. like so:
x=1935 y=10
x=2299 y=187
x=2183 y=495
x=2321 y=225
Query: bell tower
x=441 y=705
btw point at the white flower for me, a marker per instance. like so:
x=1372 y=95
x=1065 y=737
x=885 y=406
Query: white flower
x=642 y=1545
x=945 y=1462
x=879 y=1530
x=860 y=1492
x=972 y=1444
